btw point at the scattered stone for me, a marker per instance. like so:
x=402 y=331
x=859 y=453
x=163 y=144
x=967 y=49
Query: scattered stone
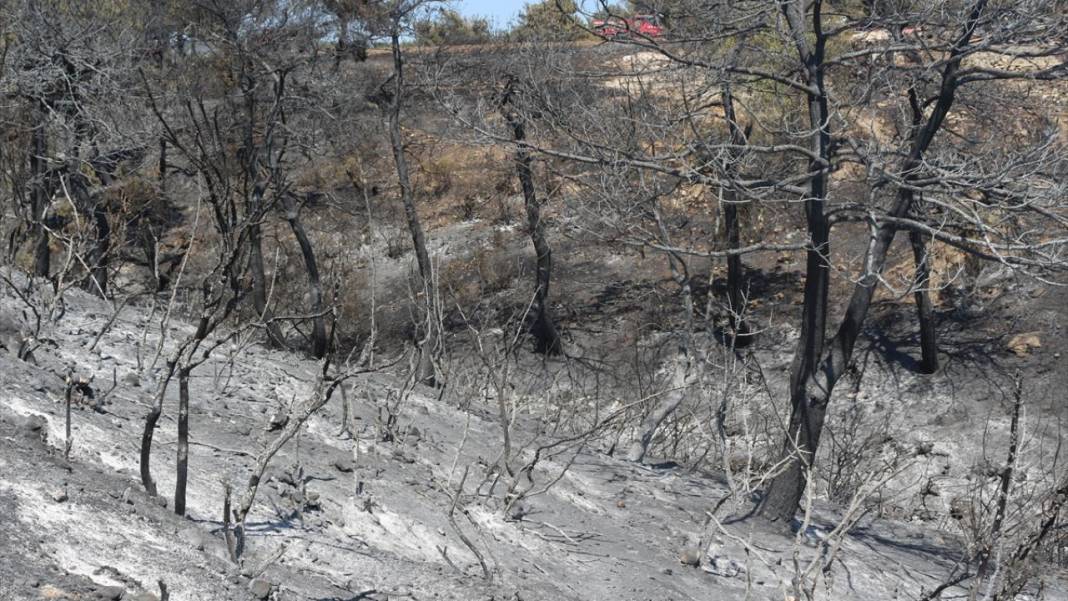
x=345 y=465
x=1022 y=344
x=260 y=589
x=518 y=511
x=59 y=496
x=724 y=566
x=30 y=424
x=311 y=500
x=278 y=420
x=690 y=556
x=667 y=571
x=111 y=593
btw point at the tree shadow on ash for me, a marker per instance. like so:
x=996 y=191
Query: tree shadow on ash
x=892 y=334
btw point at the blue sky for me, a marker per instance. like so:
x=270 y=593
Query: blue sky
x=500 y=12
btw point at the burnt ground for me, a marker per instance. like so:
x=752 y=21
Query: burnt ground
x=367 y=518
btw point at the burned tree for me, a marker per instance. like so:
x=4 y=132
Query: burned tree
x=543 y=327
x=952 y=39
x=394 y=18
x=236 y=151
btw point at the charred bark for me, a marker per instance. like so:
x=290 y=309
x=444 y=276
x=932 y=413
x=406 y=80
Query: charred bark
x=259 y=287
x=818 y=366
x=315 y=287
x=736 y=284
x=924 y=309
x=428 y=338
x=151 y=420
x=182 y=472
x=42 y=253
x=547 y=339
x=806 y=396
x=99 y=258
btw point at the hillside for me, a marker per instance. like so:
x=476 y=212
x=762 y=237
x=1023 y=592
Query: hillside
x=360 y=517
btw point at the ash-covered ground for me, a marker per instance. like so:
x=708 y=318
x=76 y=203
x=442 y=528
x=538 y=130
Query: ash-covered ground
x=359 y=515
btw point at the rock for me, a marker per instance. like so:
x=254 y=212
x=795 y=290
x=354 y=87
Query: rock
x=111 y=593
x=690 y=556
x=518 y=511
x=131 y=379
x=667 y=571
x=30 y=424
x=278 y=421
x=724 y=566
x=1022 y=344
x=260 y=589
x=59 y=496
x=146 y=596
x=345 y=465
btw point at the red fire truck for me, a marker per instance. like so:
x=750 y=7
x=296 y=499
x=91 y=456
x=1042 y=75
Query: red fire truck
x=637 y=26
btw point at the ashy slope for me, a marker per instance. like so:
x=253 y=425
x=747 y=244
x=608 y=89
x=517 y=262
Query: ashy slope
x=339 y=518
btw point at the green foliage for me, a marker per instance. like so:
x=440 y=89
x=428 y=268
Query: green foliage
x=550 y=20
x=447 y=27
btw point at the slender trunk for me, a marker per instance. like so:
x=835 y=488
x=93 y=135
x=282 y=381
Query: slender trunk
x=162 y=168
x=817 y=368
x=807 y=413
x=151 y=419
x=429 y=338
x=681 y=379
x=298 y=416
x=682 y=371
x=924 y=309
x=735 y=270
x=69 y=392
x=42 y=255
x=259 y=287
x=101 y=250
x=183 y=441
x=315 y=288
x=546 y=336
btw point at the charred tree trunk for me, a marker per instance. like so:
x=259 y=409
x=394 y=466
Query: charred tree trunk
x=818 y=367
x=259 y=287
x=429 y=337
x=546 y=336
x=924 y=309
x=101 y=250
x=315 y=287
x=42 y=254
x=163 y=167
x=183 y=442
x=151 y=420
x=99 y=256
x=735 y=271
x=807 y=401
